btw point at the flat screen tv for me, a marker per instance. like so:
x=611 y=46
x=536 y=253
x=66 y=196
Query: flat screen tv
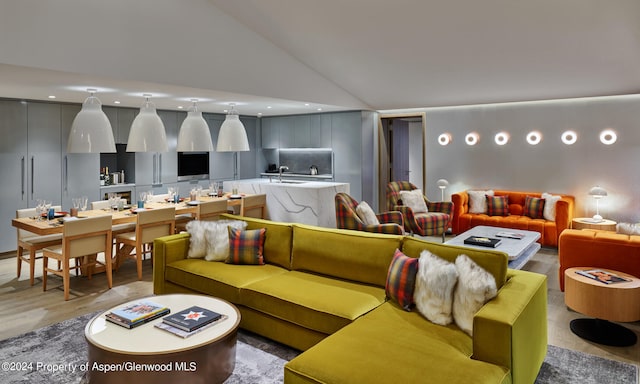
x=193 y=166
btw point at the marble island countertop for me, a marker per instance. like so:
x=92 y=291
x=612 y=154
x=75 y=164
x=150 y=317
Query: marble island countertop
x=296 y=201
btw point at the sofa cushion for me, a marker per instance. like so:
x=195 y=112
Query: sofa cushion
x=493 y=261
x=435 y=282
x=628 y=228
x=533 y=207
x=278 y=243
x=497 y=205
x=246 y=247
x=366 y=214
x=217 y=236
x=475 y=287
x=217 y=279
x=319 y=303
x=388 y=337
x=401 y=279
x=414 y=200
x=352 y=255
x=549 y=212
x=478 y=201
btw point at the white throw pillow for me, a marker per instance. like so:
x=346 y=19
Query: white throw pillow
x=414 y=200
x=549 y=212
x=475 y=287
x=433 y=293
x=478 y=201
x=366 y=214
x=628 y=228
x=197 y=241
x=217 y=236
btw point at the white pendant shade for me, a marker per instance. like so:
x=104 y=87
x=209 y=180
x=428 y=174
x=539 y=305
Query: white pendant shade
x=147 y=132
x=232 y=136
x=91 y=130
x=194 y=133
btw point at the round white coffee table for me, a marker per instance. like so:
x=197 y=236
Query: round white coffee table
x=146 y=354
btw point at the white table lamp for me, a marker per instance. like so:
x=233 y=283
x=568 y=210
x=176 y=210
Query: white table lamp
x=442 y=184
x=597 y=193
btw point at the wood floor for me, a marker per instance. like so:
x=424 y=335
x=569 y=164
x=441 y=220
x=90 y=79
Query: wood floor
x=24 y=308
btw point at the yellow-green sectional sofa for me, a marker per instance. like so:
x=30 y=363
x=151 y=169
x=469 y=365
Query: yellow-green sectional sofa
x=322 y=291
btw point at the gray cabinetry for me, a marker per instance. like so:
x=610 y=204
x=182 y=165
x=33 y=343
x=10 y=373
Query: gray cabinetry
x=270 y=133
x=44 y=152
x=320 y=131
x=80 y=171
x=346 y=134
x=248 y=160
x=286 y=126
x=13 y=169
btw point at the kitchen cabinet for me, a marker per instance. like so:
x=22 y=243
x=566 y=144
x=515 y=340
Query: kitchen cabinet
x=13 y=172
x=320 y=131
x=286 y=126
x=302 y=131
x=220 y=163
x=346 y=138
x=30 y=154
x=80 y=171
x=248 y=160
x=270 y=133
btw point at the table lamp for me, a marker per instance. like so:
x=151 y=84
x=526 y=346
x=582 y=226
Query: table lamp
x=597 y=193
x=442 y=184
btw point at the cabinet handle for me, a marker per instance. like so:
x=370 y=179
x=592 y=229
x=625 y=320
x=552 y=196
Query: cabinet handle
x=160 y=168
x=22 y=175
x=32 y=176
x=66 y=174
x=154 y=169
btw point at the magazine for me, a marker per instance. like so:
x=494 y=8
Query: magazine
x=602 y=276
x=138 y=311
x=510 y=235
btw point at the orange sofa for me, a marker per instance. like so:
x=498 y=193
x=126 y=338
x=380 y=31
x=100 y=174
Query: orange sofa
x=549 y=230
x=601 y=249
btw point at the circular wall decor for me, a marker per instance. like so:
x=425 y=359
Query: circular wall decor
x=608 y=136
x=501 y=138
x=444 y=139
x=569 y=137
x=534 y=137
x=472 y=138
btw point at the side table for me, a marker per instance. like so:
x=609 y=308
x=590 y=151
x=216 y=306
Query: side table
x=589 y=223
x=604 y=302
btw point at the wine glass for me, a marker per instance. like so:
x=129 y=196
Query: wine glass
x=76 y=201
x=84 y=200
x=39 y=209
x=150 y=196
x=47 y=206
x=171 y=192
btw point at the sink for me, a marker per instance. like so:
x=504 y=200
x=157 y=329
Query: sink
x=289 y=182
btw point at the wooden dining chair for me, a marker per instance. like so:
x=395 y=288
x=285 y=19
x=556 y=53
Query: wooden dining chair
x=206 y=211
x=150 y=224
x=253 y=206
x=29 y=243
x=117 y=228
x=81 y=239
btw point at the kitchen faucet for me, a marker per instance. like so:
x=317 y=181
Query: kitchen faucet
x=281 y=169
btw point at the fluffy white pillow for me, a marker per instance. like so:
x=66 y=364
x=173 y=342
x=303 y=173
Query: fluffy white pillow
x=478 y=201
x=550 y=201
x=628 y=229
x=217 y=238
x=366 y=214
x=435 y=281
x=197 y=241
x=414 y=200
x=475 y=287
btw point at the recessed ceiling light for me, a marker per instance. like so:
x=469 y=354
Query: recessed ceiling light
x=319 y=109
x=116 y=102
x=52 y=97
x=268 y=107
x=180 y=107
x=306 y=104
x=259 y=113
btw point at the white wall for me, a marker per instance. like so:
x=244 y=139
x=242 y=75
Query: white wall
x=551 y=165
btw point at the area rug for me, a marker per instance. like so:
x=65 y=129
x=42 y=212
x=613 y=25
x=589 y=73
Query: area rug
x=60 y=346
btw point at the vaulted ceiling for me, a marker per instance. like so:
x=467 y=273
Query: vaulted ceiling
x=298 y=56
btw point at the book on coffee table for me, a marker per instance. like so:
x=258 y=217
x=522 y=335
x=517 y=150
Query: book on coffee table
x=510 y=235
x=137 y=313
x=602 y=276
x=184 y=334
x=482 y=241
x=192 y=318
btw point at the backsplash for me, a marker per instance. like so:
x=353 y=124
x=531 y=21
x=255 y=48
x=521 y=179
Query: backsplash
x=300 y=159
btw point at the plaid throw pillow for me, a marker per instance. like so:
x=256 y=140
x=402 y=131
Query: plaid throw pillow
x=534 y=207
x=246 y=247
x=401 y=279
x=497 y=205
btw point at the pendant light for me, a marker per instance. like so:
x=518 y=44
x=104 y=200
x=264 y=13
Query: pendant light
x=232 y=136
x=194 y=133
x=147 y=132
x=91 y=130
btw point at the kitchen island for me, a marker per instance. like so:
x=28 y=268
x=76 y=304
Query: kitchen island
x=295 y=201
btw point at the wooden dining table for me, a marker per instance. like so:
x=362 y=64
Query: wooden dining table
x=43 y=226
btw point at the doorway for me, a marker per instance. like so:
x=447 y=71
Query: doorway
x=401 y=149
